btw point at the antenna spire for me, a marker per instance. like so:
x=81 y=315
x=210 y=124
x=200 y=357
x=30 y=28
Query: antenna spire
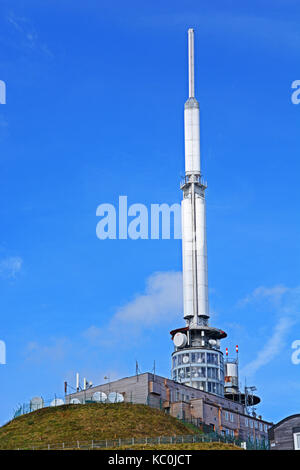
x=191 y=64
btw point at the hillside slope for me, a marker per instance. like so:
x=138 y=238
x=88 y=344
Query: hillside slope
x=71 y=423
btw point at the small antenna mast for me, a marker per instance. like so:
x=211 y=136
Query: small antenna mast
x=191 y=64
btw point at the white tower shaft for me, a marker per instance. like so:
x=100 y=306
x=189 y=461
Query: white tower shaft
x=191 y=119
x=194 y=248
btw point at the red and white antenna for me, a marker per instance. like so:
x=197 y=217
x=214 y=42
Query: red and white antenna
x=226 y=351
x=237 y=348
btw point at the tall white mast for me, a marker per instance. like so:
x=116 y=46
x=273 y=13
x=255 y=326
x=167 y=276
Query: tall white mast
x=197 y=342
x=194 y=249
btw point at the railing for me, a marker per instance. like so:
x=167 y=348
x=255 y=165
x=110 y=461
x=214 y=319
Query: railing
x=123 y=442
x=193 y=179
x=26 y=408
x=254 y=444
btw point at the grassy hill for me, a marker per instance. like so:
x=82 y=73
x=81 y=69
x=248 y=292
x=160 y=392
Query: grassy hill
x=90 y=422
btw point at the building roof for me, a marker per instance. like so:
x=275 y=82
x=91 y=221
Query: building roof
x=285 y=419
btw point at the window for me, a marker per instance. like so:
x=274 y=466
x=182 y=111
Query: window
x=198 y=372
x=212 y=373
x=200 y=385
x=256 y=424
x=297 y=441
x=200 y=358
x=186 y=358
x=251 y=424
x=212 y=358
x=260 y=426
x=212 y=387
x=246 y=422
x=226 y=415
x=231 y=417
x=266 y=428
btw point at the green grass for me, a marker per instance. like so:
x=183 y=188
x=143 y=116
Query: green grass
x=93 y=421
x=96 y=422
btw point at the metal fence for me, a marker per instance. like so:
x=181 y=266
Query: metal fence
x=123 y=442
x=26 y=408
x=254 y=444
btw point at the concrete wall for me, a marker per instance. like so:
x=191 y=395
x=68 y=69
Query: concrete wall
x=184 y=402
x=134 y=389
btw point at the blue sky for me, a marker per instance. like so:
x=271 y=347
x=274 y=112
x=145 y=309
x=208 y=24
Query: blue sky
x=95 y=94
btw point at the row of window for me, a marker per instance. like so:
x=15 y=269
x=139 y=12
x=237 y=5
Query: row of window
x=248 y=422
x=228 y=432
x=198 y=372
x=257 y=425
x=229 y=416
x=198 y=358
x=258 y=440
x=211 y=387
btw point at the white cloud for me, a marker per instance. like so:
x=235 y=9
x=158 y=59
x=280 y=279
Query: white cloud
x=37 y=353
x=25 y=35
x=286 y=304
x=10 y=266
x=160 y=303
x=272 y=348
x=273 y=294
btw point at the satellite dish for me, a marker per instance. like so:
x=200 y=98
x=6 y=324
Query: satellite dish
x=212 y=342
x=180 y=340
x=114 y=397
x=57 y=402
x=75 y=401
x=99 y=397
x=36 y=403
x=185 y=359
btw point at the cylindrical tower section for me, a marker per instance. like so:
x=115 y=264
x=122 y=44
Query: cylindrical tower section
x=201 y=255
x=231 y=376
x=192 y=137
x=194 y=254
x=187 y=258
x=199 y=368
